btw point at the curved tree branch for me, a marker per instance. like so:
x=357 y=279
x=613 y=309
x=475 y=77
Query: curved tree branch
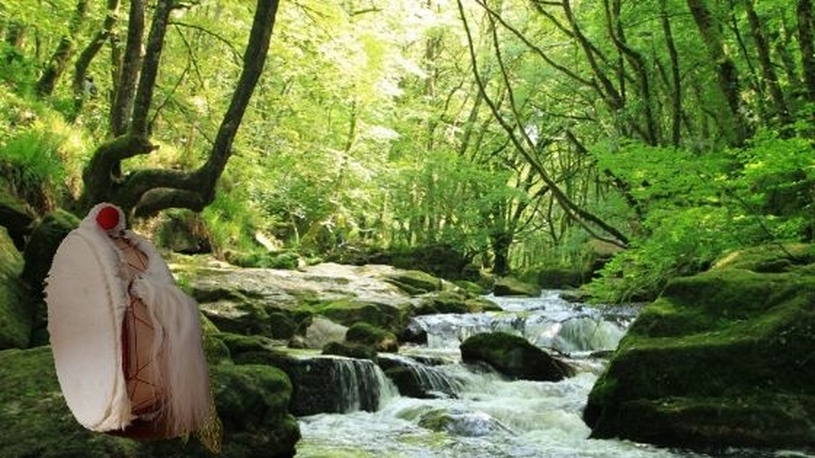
x=581 y=216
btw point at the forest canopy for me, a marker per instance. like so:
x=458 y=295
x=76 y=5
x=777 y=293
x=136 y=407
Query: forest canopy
x=521 y=133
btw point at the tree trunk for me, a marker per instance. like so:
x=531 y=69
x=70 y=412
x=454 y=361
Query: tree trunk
x=149 y=68
x=125 y=83
x=650 y=134
x=525 y=146
x=91 y=50
x=501 y=241
x=65 y=49
x=805 y=38
x=149 y=191
x=769 y=76
x=726 y=72
x=676 y=79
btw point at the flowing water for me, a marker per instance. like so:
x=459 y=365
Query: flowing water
x=484 y=414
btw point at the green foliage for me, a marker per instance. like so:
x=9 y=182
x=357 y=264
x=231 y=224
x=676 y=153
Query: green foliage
x=31 y=165
x=17 y=71
x=697 y=207
x=230 y=221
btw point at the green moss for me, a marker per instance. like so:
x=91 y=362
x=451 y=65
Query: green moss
x=251 y=401
x=455 y=302
x=513 y=356
x=509 y=286
x=726 y=335
x=350 y=311
x=415 y=281
x=34 y=417
x=768 y=258
x=350 y=350
x=770 y=420
x=40 y=249
x=16 y=315
x=368 y=334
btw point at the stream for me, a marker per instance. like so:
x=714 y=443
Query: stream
x=488 y=415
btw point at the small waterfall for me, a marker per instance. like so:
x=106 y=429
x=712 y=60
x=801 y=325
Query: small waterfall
x=586 y=334
x=454 y=410
x=336 y=384
x=428 y=381
x=548 y=322
x=361 y=385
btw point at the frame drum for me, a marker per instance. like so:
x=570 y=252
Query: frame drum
x=86 y=308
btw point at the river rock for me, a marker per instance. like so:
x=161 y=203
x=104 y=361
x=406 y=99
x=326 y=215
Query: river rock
x=723 y=358
x=514 y=356
x=247 y=300
x=415 y=281
x=16 y=217
x=455 y=302
x=38 y=255
x=373 y=336
x=323 y=331
x=251 y=401
x=417 y=380
x=16 y=317
x=511 y=286
x=350 y=350
x=320 y=383
x=460 y=423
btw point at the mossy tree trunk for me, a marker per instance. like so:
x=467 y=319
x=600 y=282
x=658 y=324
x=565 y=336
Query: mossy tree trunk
x=727 y=73
x=145 y=192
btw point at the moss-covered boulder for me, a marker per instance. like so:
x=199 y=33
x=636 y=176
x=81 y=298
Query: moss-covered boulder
x=376 y=337
x=514 y=357
x=511 y=286
x=16 y=217
x=350 y=311
x=723 y=358
x=44 y=241
x=38 y=255
x=414 y=281
x=454 y=302
x=16 y=317
x=35 y=421
x=350 y=350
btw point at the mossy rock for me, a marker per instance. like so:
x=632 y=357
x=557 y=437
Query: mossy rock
x=703 y=422
x=350 y=350
x=768 y=258
x=445 y=302
x=281 y=325
x=263 y=259
x=514 y=357
x=251 y=401
x=16 y=316
x=414 y=281
x=471 y=287
x=239 y=315
x=407 y=381
x=40 y=249
x=350 y=311
x=16 y=217
x=455 y=302
x=214 y=348
x=703 y=364
x=510 y=286
x=239 y=343
x=555 y=278
x=368 y=334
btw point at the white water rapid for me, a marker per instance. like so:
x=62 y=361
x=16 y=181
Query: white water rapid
x=484 y=414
